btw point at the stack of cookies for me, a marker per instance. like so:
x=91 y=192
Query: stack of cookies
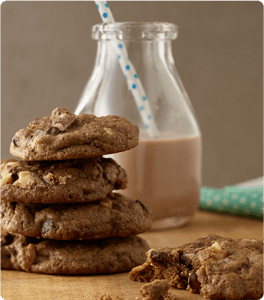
x=59 y=212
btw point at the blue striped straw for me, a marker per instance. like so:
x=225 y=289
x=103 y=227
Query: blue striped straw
x=133 y=81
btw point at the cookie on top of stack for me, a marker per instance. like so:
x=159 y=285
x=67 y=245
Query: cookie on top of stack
x=59 y=212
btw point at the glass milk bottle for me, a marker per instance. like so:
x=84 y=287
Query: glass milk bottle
x=164 y=173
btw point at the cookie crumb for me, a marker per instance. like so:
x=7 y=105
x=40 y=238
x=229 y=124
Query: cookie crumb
x=106 y=297
x=155 y=290
x=108 y=131
x=170 y=296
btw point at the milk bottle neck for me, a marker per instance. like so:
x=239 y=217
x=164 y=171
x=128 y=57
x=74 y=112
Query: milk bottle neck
x=149 y=49
x=146 y=56
x=148 y=44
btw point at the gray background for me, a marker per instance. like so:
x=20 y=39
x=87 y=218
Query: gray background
x=48 y=56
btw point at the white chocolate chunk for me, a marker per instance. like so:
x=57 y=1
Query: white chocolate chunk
x=6 y=173
x=108 y=130
x=36 y=143
x=51 y=178
x=26 y=180
x=6 y=179
x=106 y=203
x=250 y=240
x=63 y=179
x=3 y=164
x=216 y=246
x=40 y=148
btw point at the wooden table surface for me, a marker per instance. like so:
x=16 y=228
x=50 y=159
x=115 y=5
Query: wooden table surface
x=27 y=286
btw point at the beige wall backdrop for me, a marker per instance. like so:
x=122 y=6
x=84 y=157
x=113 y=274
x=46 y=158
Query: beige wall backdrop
x=48 y=56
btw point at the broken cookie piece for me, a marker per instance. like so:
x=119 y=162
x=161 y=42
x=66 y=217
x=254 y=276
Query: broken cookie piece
x=216 y=267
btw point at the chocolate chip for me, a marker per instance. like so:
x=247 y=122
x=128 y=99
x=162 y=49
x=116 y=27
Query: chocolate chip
x=16 y=141
x=7 y=240
x=46 y=226
x=64 y=121
x=193 y=282
x=14 y=175
x=158 y=255
x=68 y=121
x=154 y=254
x=53 y=131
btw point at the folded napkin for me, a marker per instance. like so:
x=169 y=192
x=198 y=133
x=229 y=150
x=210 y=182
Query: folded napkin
x=242 y=201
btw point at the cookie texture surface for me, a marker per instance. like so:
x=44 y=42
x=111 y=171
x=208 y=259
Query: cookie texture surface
x=110 y=217
x=64 y=136
x=112 y=255
x=68 y=181
x=215 y=267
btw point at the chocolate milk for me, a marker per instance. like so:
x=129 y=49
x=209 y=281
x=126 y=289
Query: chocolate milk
x=165 y=175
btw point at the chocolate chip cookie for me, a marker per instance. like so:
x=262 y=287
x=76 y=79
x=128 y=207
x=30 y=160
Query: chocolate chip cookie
x=111 y=255
x=215 y=267
x=110 y=217
x=68 y=181
x=64 y=136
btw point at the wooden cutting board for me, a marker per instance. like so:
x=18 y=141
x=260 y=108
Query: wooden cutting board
x=27 y=286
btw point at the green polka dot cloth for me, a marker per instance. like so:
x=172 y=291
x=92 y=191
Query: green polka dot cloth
x=233 y=200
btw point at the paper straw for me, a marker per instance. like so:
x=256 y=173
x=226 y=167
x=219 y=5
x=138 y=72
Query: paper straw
x=133 y=81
